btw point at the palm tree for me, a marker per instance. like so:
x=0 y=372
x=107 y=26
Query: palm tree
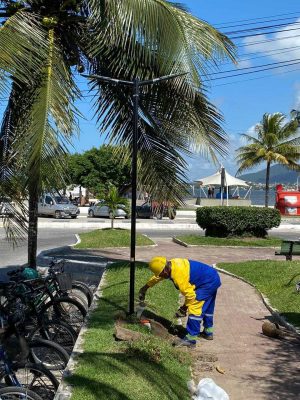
x=43 y=46
x=114 y=201
x=295 y=114
x=277 y=141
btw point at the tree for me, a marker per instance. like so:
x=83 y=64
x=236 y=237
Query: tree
x=277 y=141
x=54 y=40
x=113 y=201
x=98 y=168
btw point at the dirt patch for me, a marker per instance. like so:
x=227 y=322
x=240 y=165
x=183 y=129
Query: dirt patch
x=202 y=362
x=125 y=335
x=205 y=357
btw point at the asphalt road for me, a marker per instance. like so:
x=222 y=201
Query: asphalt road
x=51 y=238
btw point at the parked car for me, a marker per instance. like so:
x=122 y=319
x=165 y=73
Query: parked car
x=100 y=210
x=6 y=206
x=57 y=206
x=150 y=210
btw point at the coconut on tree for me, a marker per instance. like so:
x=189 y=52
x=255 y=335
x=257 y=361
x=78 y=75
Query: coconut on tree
x=46 y=44
x=277 y=141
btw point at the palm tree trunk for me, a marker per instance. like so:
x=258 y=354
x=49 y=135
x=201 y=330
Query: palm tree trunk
x=267 y=184
x=33 y=227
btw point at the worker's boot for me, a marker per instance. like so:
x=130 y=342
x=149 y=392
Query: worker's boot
x=207 y=336
x=186 y=342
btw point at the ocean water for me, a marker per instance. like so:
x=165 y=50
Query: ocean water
x=257 y=196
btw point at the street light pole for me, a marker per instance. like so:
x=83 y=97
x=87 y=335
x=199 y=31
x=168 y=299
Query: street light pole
x=133 y=193
x=135 y=84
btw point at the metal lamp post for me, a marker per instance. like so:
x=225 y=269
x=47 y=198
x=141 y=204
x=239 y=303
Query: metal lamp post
x=135 y=84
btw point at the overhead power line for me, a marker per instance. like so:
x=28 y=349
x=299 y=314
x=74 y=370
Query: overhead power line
x=263 y=33
x=259 y=28
x=250 y=72
x=267 y=53
x=258 y=77
x=254 y=67
x=267 y=41
x=256 y=22
x=225 y=24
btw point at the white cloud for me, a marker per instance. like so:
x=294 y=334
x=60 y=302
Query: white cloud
x=285 y=44
x=244 y=64
x=251 y=130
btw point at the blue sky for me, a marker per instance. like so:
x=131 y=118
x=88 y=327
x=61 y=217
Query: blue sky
x=244 y=102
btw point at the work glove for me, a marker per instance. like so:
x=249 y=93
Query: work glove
x=181 y=312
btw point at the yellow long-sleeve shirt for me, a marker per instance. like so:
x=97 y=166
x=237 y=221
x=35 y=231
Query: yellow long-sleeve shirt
x=180 y=275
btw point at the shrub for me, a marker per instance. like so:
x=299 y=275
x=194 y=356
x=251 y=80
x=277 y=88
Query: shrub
x=237 y=221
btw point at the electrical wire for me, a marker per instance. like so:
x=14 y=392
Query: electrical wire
x=263 y=33
x=267 y=53
x=262 y=68
x=267 y=41
x=250 y=72
x=254 y=66
x=259 y=28
x=259 y=77
x=225 y=24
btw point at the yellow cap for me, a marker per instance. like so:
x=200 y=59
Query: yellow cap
x=157 y=264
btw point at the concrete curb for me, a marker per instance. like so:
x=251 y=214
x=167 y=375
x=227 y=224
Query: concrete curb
x=125 y=225
x=78 y=240
x=265 y=300
x=178 y=241
x=64 y=391
x=147 y=246
x=107 y=248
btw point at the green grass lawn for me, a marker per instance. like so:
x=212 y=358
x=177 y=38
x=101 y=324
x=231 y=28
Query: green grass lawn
x=108 y=237
x=213 y=241
x=276 y=280
x=147 y=370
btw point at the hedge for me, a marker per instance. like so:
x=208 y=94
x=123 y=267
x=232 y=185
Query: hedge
x=237 y=221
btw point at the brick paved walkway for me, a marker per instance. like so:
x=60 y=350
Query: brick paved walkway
x=257 y=367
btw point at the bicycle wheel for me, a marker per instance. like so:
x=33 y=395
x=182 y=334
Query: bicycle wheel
x=57 y=331
x=50 y=354
x=17 y=393
x=33 y=377
x=65 y=309
x=84 y=288
x=79 y=296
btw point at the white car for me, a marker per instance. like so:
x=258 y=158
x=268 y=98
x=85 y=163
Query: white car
x=6 y=207
x=57 y=206
x=100 y=210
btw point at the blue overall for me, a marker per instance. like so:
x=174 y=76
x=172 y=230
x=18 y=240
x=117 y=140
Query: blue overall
x=206 y=281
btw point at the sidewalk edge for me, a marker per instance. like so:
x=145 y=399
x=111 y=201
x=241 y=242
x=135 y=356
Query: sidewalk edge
x=265 y=300
x=64 y=391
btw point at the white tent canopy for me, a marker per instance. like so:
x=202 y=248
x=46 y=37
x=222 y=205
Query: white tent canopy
x=215 y=179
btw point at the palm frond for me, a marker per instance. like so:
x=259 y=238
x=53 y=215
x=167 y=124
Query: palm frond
x=53 y=104
x=22 y=47
x=164 y=124
x=155 y=30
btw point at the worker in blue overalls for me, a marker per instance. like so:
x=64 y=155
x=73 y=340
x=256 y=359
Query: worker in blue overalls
x=198 y=283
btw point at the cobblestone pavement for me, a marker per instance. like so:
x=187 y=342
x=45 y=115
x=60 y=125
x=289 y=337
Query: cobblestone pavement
x=256 y=367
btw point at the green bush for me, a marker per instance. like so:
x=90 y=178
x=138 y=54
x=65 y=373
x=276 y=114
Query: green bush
x=237 y=221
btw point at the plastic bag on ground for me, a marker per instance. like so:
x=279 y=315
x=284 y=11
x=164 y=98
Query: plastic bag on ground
x=207 y=389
